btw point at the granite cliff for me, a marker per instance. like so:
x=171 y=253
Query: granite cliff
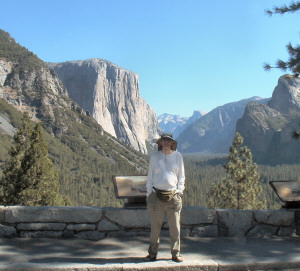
x=86 y=156
x=111 y=95
x=268 y=129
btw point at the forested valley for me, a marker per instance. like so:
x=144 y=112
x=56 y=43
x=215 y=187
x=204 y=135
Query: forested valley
x=88 y=180
x=202 y=171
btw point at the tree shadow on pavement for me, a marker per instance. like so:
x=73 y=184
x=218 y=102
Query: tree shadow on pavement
x=134 y=249
x=242 y=249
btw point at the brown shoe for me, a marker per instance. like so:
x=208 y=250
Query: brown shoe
x=150 y=258
x=177 y=259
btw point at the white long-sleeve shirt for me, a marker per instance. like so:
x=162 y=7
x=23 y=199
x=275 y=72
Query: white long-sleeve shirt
x=166 y=172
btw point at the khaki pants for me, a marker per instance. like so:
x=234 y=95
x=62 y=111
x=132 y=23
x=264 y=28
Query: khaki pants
x=157 y=208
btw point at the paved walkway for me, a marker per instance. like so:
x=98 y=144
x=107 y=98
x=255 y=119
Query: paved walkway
x=127 y=254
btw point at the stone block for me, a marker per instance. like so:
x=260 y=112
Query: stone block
x=2 y=214
x=105 y=225
x=68 y=234
x=41 y=226
x=41 y=234
x=7 y=231
x=262 y=231
x=185 y=232
x=197 y=215
x=81 y=227
x=90 y=235
x=234 y=222
x=17 y=214
x=287 y=232
x=275 y=217
x=206 y=231
x=128 y=218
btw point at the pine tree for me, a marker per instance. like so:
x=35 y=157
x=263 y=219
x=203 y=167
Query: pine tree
x=30 y=177
x=293 y=63
x=11 y=183
x=240 y=189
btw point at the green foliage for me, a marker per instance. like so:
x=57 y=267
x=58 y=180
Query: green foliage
x=12 y=51
x=29 y=177
x=203 y=171
x=293 y=63
x=14 y=118
x=240 y=189
x=294 y=6
x=199 y=177
x=86 y=177
x=86 y=157
x=86 y=160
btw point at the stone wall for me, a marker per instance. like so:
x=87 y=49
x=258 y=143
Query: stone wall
x=96 y=223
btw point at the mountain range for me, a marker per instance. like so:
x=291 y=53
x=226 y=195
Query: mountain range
x=270 y=127
x=97 y=125
x=175 y=124
x=210 y=133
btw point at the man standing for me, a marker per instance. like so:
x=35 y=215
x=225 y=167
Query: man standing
x=165 y=185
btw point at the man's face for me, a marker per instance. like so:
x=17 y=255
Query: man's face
x=166 y=143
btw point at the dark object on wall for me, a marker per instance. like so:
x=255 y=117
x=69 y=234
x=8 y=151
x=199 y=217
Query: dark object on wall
x=132 y=189
x=288 y=192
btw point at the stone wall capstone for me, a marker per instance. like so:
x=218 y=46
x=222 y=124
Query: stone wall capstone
x=275 y=217
x=128 y=218
x=95 y=223
x=52 y=214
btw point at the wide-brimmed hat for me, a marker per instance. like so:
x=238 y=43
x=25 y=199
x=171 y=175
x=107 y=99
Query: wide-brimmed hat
x=166 y=135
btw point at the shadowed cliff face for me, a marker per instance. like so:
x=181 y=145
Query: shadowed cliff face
x=111 y=95
x=214 y=132
x=268 y=129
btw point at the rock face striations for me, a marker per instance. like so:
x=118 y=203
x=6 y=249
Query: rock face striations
x=268 y=129
x=111 y=95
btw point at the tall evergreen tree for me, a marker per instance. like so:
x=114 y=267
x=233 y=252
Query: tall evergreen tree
x=293 y=63
x=240 y=189
x=11 y=183
x=30 y=177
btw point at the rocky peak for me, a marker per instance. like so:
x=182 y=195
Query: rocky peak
x=5 y=69
x=111 y=94
x=176 y=124
x=286 y=95
x=169 y=123
x=268 y=129
x=196 y=115
x=32 y=90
